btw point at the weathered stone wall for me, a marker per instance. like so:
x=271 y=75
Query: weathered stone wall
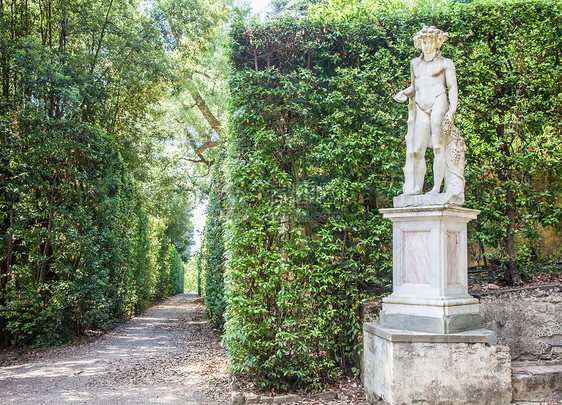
x=404 y=367
x=550 y=242
x=527 y=320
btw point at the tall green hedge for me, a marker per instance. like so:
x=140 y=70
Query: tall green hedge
x=75 y=243
x=308 y=165
x=316 y=147
x=177 y=272
x=214 y=250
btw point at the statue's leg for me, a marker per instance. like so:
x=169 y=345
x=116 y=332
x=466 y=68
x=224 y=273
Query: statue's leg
x=438 y=140
x=409 y=179
x=421 y=140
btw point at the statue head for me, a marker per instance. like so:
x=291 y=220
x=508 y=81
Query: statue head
x=432 y=34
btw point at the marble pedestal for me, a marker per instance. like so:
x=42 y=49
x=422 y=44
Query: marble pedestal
x=404 y=367
x=430 y=286
x=429 y=347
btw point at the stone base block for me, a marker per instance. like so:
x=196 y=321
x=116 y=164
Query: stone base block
x=446 y=324
x=424 y=200
x=405 y=367
x=538 y=383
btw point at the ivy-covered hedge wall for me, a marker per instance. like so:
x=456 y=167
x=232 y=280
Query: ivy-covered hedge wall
x=213 y=249
x=77 y=249
x=316 y=148
x=92 y=207
x=308 y=168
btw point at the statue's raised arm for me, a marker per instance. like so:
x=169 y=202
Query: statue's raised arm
x=433 y=95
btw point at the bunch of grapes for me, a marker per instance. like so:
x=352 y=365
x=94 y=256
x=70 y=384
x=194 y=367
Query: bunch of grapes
x=456 y=154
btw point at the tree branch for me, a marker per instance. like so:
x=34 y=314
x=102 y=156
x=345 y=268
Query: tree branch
x=202 y=105
x=202 y=160
x=207 y=145
x=94 y=61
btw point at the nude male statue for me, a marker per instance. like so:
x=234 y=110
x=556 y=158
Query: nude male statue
x=430 y=110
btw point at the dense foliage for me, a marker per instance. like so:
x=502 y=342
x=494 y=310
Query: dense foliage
x=214 y=250
x=508 y=58
x=308 y=163
x=316 y=147
x=64 y=204
x=94 y=209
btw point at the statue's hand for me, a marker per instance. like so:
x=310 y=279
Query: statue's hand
x=447 y=123
x=400 y=97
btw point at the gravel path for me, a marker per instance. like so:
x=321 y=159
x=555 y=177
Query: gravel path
x=168 y=355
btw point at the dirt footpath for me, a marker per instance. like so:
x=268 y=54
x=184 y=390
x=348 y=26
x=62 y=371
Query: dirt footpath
x=166 y=356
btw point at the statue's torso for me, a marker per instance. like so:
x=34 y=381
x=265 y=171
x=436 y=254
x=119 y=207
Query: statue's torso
x=430 y=81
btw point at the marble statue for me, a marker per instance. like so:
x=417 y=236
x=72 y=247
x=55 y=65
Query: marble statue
x=433 y=99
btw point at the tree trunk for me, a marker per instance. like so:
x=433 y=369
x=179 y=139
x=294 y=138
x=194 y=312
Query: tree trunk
x=47 y=247
x=5 y=77
x=4 y=274
x=512 y=273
